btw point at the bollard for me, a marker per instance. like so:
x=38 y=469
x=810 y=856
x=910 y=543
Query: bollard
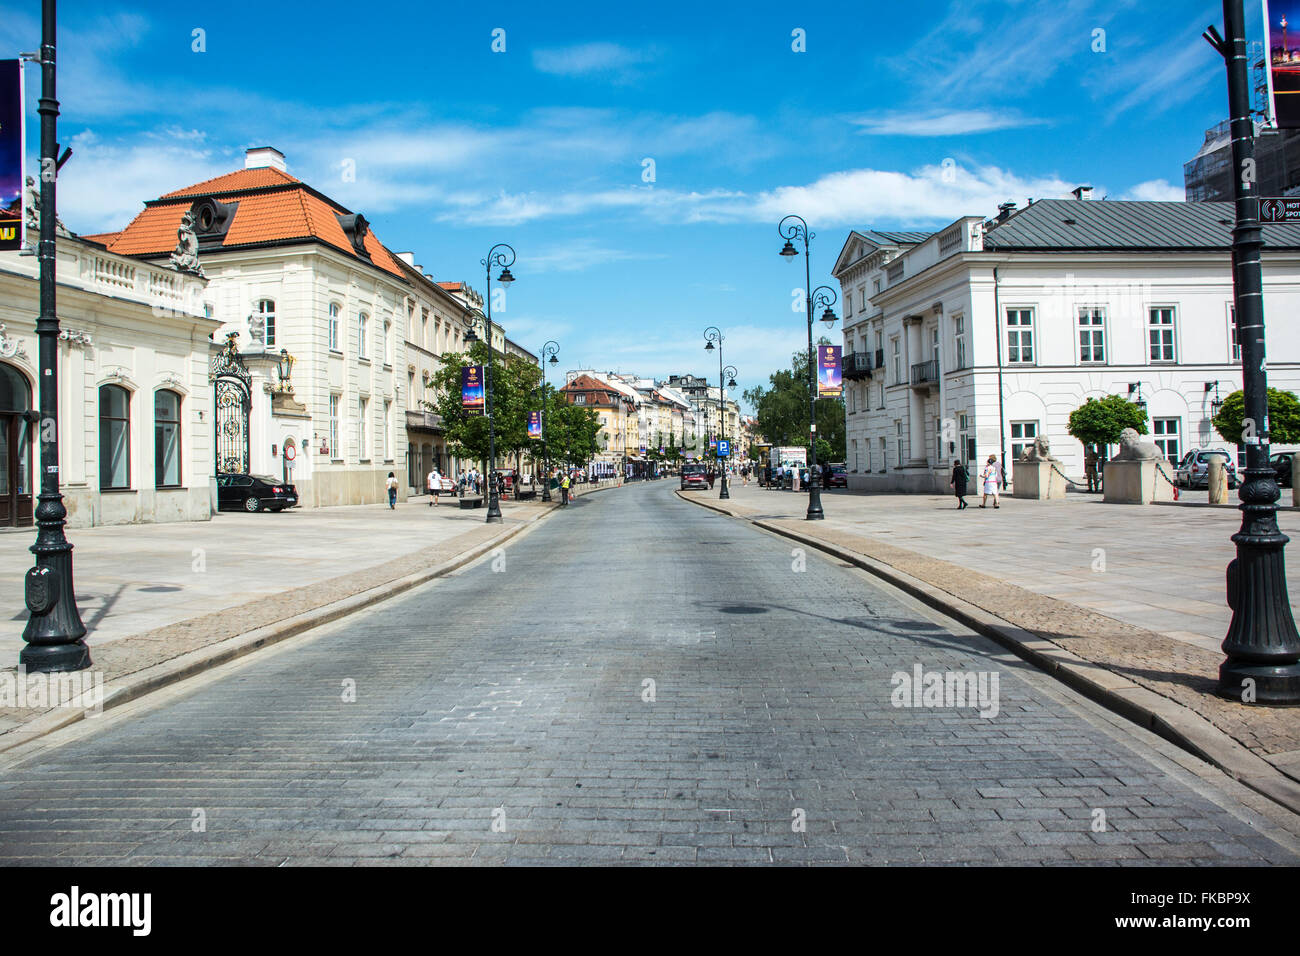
x=1216 y=481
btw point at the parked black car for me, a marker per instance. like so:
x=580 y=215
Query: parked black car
x=253 y=493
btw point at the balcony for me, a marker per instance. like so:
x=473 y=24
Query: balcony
x=423 y=421
x=925 y=374
x=857 y=365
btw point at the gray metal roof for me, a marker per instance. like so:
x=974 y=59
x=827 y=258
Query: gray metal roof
x=898 y=238
x=1061 y=224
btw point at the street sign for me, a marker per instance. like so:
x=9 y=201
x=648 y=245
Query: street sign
x=1279 y=210
x=724 y=448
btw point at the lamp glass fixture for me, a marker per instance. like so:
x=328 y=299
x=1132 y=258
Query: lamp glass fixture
x=789 y=251
x=505 y=278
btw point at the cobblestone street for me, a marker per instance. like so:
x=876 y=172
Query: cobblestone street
x=635 y=680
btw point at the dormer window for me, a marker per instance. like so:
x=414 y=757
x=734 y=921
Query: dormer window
x=355 y=228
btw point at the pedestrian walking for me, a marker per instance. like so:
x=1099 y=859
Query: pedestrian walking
x=392 y=491
x=435 y=486
x=960 y=479
x=991 y=478
x=767 y=476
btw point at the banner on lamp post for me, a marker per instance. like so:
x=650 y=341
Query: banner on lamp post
x=12 y=155
x=1282 y=37
x=830 y=381
x=472 y=394
x=534 y=424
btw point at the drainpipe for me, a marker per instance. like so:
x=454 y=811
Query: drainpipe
x=1002 y=417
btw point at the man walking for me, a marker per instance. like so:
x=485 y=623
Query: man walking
x=435 y=486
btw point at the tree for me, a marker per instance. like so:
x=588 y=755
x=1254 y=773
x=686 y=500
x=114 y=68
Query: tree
x=514 y=395
x=782 y=411
x=1283 y=418
x=1098 y=421
x=573 y=432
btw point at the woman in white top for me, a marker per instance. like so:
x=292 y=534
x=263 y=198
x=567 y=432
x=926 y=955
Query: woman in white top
x=392 y=490
x=990 y=478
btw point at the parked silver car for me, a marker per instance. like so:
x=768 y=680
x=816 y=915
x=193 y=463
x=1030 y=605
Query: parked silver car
x=1194 y=470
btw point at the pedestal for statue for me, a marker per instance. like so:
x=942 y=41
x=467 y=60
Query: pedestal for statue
x=1036 y=479
x=1136 y=482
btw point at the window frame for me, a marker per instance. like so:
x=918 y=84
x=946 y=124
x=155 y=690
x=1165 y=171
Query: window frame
x=126 y=432
x=332 y=312
x=1162 y=439
x=177 y=422
x=335 y=407
x=1020 y=329
x=1234 y=337
x=1172 y=328
x=1092 y=330
x=268 y=322
x=363 y=328
x=1025 y=440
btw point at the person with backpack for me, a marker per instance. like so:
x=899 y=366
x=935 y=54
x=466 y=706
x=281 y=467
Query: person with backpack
x=392 y=491
x=960 y=479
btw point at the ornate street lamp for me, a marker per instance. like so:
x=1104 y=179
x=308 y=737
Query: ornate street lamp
x=550 y=349
x=504 y=256
x=54 y=631
x=824 y=297
x=1262 y=646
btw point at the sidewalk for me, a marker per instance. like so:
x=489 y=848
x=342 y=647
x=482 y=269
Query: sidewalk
x=1136 y=590
x=153 y=594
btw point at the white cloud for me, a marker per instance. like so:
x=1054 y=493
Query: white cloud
x=1157 y=190
x=582 y=254
x=940 y=123
x=588 y=59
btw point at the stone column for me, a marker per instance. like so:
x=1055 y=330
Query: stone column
x=914 y=352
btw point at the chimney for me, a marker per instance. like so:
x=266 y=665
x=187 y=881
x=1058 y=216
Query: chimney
x=260 y=157
x=1005 y=210
x=407 y=257
x=1081 y=192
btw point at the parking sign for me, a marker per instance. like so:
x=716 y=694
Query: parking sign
x=724 y=448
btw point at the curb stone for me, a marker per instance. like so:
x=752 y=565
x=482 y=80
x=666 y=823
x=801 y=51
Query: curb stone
x=1170 y=720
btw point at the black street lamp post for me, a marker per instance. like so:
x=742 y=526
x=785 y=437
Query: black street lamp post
x=550 y=349
x=504 y=256
x=825 y=297
x=1262 y=646
x=711 y=335
x=54 y=631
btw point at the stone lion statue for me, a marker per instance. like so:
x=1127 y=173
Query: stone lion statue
x=1133 y=448
x=1040 y=450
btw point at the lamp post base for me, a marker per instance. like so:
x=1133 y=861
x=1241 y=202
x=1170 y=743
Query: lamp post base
x=724 y=493
x=815 y=512
x=494 y=508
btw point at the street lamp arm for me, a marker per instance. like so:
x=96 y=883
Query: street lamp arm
x=798 y=229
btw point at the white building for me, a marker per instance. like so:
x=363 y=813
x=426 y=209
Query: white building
x=975 y=339
x=135 y=409
x=293 y=274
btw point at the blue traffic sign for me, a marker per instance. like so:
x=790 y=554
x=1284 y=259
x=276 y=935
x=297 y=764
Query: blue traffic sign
x=724 y=448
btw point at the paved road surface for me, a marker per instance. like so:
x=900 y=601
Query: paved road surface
x=505 y=717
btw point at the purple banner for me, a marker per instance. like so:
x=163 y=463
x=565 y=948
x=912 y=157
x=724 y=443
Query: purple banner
x=830 y=383
x=1283 y=19
x=534 y=424
x=12 y=154
x=471 y=389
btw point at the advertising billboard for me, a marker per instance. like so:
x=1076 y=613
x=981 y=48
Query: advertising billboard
x=534 y=424
x=471 y=389
x=1282 y=37
x=12 y=155
x=830 y=382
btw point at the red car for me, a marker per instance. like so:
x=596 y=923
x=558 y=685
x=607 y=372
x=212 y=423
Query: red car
x=838 y=477
x=694 y=476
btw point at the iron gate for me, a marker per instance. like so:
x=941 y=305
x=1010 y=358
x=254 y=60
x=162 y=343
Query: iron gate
x=232 y=392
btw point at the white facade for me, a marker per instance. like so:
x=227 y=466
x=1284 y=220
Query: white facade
x=983 y=350
x=133 y=370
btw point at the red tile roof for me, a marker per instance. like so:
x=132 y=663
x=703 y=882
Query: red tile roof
x=274 y=208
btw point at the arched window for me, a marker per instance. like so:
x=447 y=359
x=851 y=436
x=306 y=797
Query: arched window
x=166 y=439
x=114 y=437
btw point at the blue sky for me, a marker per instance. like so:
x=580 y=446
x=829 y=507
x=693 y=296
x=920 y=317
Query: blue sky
x=456 y=147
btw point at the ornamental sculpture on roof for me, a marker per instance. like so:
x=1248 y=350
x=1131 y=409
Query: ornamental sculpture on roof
x=186 y=256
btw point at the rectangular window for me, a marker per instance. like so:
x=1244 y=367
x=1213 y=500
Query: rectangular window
x=898 y=438
x=898 y=361
x=1020 y=336
x=388 y=429
x=114 y=437
x=388 y=342
x=334 y=327
x=424 y=329
x=166 y=439
x=334 y=426
x=363 y=332
x=848 y=304
x=884 y=464
x=938 y=441
x=959 y=340
x=1164 y=432
x=963 y=436
x=1160 y=334
x=1022 y=437
x=880 y=395
x=1234 y=342
x=363 y=447
x=266 y=315
x=1092 y=335
x=410 y=391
